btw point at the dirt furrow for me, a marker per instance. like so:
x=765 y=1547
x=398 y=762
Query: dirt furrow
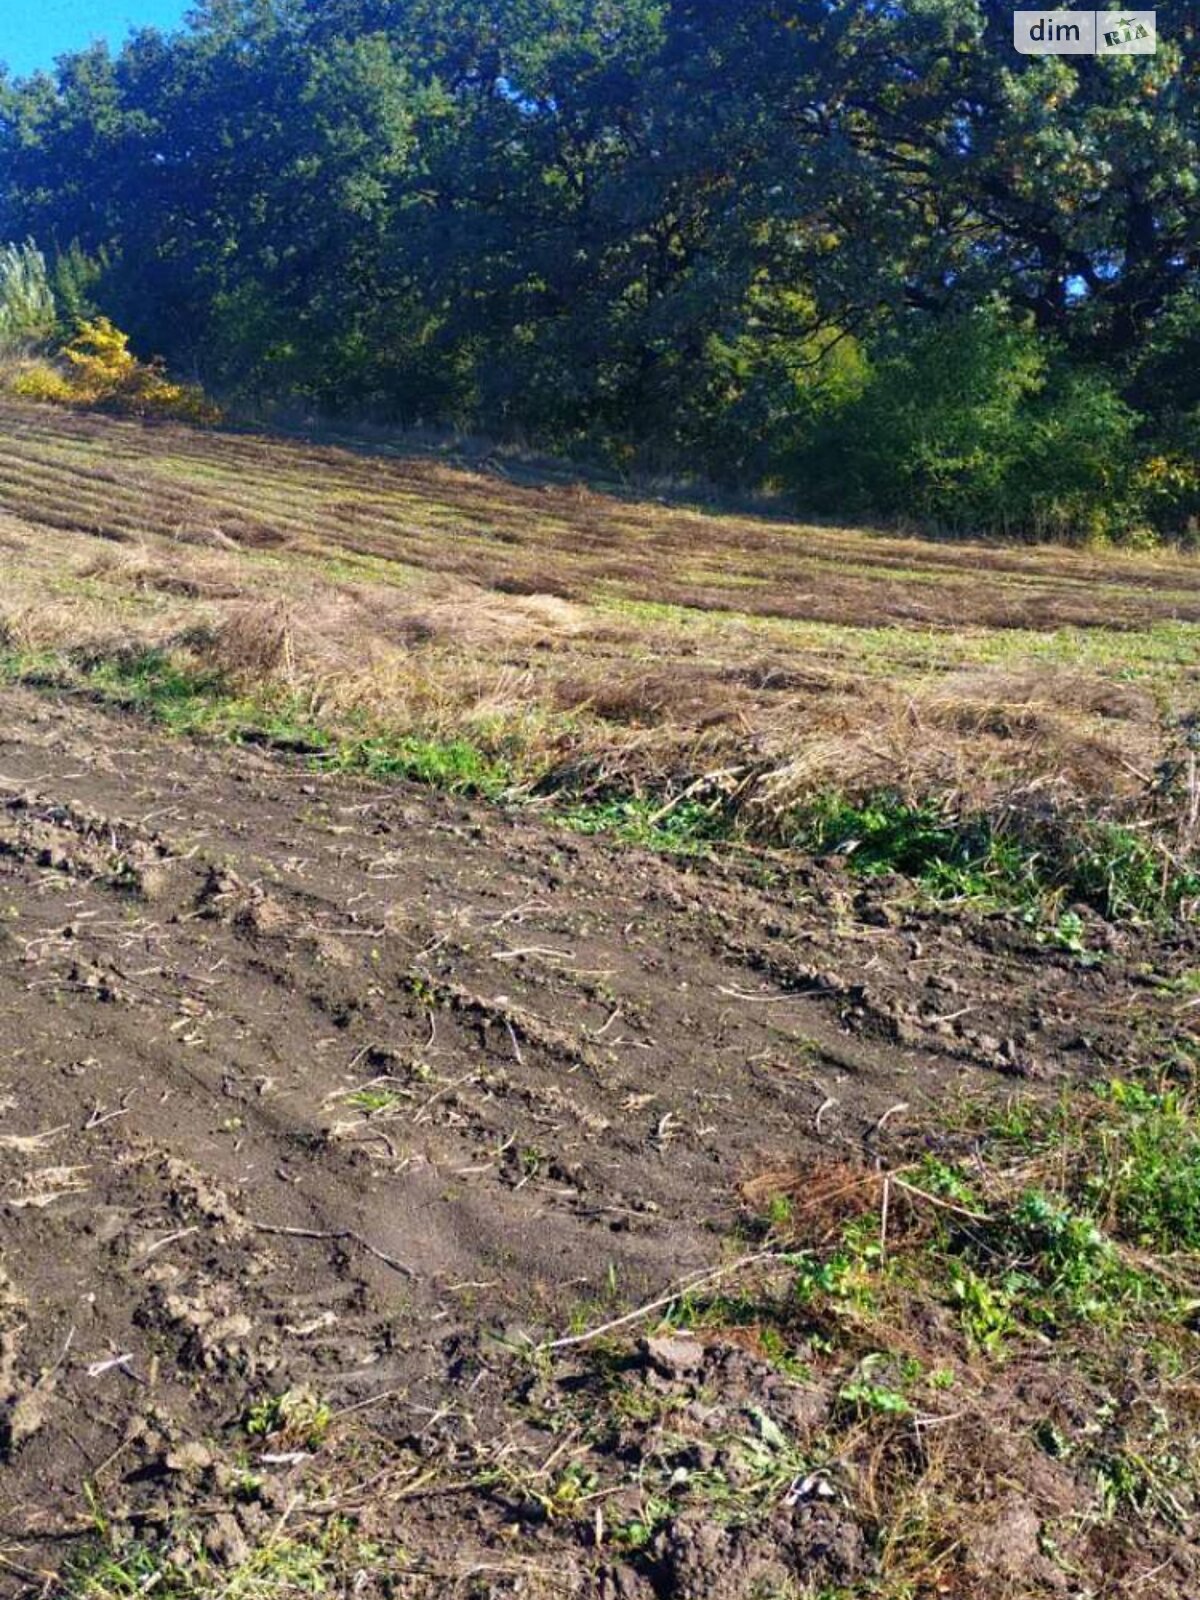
x=316 y=1085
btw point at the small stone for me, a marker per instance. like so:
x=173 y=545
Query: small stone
x=225 y=1541
x=190 y=1459
x=28 y=1414
x=155 y=881
x=1008 y=1543
x=707 y=1416
x=675 y=1355
x=801 y=1409
x=223 y=1330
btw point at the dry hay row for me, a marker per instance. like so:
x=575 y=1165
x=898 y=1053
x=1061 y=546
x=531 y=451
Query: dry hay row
x=34 y=500
x=283 y=459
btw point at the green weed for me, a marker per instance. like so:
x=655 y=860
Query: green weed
x=988 y=863
x=870 y=1393
x=116 y=1565
x=377 y=1102
x=453 y=764
x=188 y=699
x=1132 y=1481
x=689 y=828
x=1057 y=1262
x=1000 y=865
x=985 y=1308
x=1145 y=1177
x=298 y=1417
x=935 y=1176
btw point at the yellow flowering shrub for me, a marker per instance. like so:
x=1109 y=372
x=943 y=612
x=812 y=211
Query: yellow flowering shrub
x=100 y=359
x=100 y=370
x=1172 y=475
x=37 y=380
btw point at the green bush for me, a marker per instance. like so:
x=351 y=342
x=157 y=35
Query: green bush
x=975 y=426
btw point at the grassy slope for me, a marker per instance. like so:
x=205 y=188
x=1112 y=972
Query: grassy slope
x=405 y=615
x=551 y=625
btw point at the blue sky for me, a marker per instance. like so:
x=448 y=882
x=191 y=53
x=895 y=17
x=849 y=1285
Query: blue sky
x=33 y=32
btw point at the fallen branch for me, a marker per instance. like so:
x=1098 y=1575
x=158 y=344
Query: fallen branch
x=335 y=1234
x=687 y=1286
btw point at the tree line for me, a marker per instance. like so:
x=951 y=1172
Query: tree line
x=863 y=253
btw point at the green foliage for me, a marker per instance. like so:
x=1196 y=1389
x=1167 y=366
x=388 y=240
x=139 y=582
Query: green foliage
x=1005 y=864
x=1067 y=1255
x=888 y=834
x=296 y=1419
x=125 y=1569
x=1134 y=1482
x=688 y=827
x=1120 y=869
x=453 y=764
x=845 y=1278
x=876 y=1388
x=1145 y=1181
x=75 y=276
x=28 y=312
x=1129 y=1176
x=935 y=1176
x=976 y=425
x=1064 y=1222
x=985 y=1308
x=377 y=1101
x=189 y=698
x=184 y=698
x=1067 y=933
x=116 y=1565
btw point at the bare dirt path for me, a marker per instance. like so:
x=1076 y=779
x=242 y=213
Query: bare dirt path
x=495 y=1077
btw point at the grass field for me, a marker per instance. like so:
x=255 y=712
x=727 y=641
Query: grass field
x=543 y=639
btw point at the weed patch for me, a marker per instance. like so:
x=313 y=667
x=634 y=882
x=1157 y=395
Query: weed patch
x=688 y=828
x=187 y=699
x=297 y=1419
x=1081 y=1215
x=926 y=1298
x=453 y=764
x=1004 y=862
x=125 y=1569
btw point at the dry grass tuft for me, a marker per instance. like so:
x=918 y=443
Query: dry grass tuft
x=821 y=1198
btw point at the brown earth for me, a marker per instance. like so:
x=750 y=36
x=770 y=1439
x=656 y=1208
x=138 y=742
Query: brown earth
x=313 y=1084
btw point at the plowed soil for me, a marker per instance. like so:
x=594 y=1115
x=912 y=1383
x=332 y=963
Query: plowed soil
x=313 y=1084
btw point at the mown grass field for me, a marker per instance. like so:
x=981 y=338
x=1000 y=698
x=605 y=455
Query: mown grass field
x=539 y=637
